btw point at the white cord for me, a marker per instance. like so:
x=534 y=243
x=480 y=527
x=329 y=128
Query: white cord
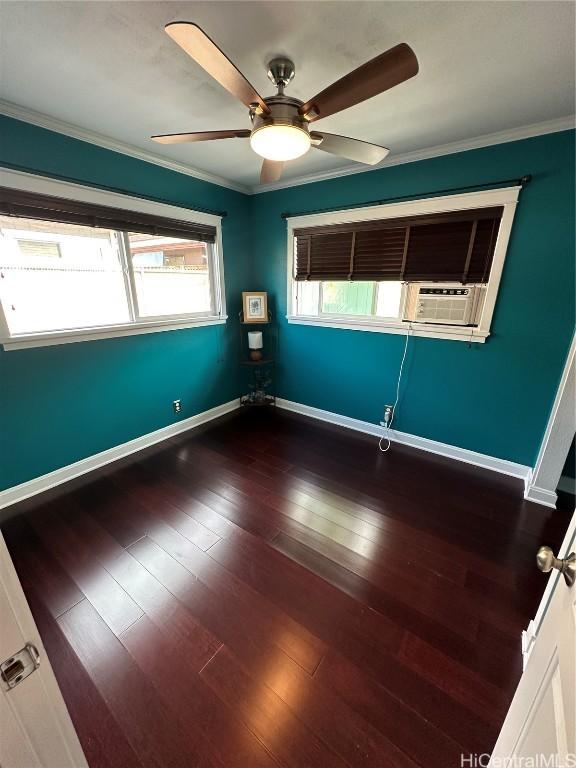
x=388 y=426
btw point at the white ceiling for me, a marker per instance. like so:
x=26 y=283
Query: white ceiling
x=109 y=67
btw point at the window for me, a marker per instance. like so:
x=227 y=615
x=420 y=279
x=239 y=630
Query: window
x=431 y=266
x=350 y=299
x=171 y=276
x=43 y=292
x=78 y=278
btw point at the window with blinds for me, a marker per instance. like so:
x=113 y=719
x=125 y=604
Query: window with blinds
x=31 y=205
x=447 y=247
x=67 y=265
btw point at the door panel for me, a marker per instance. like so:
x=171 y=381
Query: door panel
x=35 y=727
x=542 y=717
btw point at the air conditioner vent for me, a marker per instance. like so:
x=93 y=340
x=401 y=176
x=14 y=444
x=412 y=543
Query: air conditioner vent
x=444 y=304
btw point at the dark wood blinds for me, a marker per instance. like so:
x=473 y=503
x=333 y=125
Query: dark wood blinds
x=14 y=202
x=456 y=246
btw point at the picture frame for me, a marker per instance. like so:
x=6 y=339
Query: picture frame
x=255 y=306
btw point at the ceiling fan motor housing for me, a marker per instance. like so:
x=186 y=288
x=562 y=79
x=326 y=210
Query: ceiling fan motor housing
x=283 y=111
x=284 y=123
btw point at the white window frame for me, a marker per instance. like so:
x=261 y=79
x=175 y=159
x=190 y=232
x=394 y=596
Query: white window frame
x=506 y=197
x=31 y=183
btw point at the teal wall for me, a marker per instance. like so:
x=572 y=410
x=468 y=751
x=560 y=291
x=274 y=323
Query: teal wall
x=493 y=398
x=60 y=404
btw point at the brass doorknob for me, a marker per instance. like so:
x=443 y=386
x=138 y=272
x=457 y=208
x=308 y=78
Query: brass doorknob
x=546 y=561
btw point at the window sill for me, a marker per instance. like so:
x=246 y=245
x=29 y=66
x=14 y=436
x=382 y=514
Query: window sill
x=29 y=340
x=454 y=333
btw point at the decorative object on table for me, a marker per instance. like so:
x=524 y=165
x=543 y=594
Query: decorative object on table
x=258 y=395
x=255 y=306
x=255 y=345
x=258 y=350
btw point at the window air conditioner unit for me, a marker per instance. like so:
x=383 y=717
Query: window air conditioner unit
x=443 y=303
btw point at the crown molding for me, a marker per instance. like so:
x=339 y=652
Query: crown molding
x=98 y=139
x=92 y=137
x=487 y=140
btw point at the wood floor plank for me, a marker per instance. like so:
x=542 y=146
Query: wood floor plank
x=33 y=561
x=227 y=503
x=382 y=589
x=482 y=697
x=268 y=590
x=297 y=592
x=267 y=716
x=225 y=605
x=389 y=696
x=355 y=740
x=161 y=489
x=75 y=555
x=367 y=650
x=406 y=536
x=325 y=526
x=458 y=529
x=156 y=736
x=172 y=666
x=436 y=544
x=191 y=529
x=367 y=539
x=158 y=603
x=104 y=742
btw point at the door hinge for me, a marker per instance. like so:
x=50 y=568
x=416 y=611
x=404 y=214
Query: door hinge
x=19 y=666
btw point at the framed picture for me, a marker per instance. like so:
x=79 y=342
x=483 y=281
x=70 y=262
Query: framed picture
x=255 y=306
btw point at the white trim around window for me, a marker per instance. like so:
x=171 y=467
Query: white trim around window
x=506 y=197
x=42 y=185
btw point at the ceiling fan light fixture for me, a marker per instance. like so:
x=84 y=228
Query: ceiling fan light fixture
x=280 y=142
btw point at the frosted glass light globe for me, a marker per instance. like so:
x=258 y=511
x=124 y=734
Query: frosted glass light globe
x=280 y=142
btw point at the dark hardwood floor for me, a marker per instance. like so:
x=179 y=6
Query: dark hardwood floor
x=271 y=591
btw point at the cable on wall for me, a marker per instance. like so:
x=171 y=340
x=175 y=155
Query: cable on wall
x=388 y=424
x=521 y=182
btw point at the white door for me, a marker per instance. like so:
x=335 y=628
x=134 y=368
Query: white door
x=541 y=722
x=35 y=727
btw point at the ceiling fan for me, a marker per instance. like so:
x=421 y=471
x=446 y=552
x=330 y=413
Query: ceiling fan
x=281 y=124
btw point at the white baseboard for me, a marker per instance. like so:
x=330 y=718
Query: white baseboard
x=45 y=482
x=546 y=497
x=540 y=495
x=424 y=444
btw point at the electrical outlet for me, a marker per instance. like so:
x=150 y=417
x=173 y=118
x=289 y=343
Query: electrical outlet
x=177 y=405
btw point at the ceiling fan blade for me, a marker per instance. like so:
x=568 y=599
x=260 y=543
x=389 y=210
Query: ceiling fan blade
x=203 y=50
x=179 y=138
x=353 y=149
x=271 y=171
x=374 y=77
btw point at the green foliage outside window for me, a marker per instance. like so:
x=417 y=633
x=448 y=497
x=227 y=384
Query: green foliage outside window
x=339 y=298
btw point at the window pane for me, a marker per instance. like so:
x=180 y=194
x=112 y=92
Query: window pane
x=346 y=298
x=59 y=276
x=308 y=297
x=389 y=296
x=171 y=275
